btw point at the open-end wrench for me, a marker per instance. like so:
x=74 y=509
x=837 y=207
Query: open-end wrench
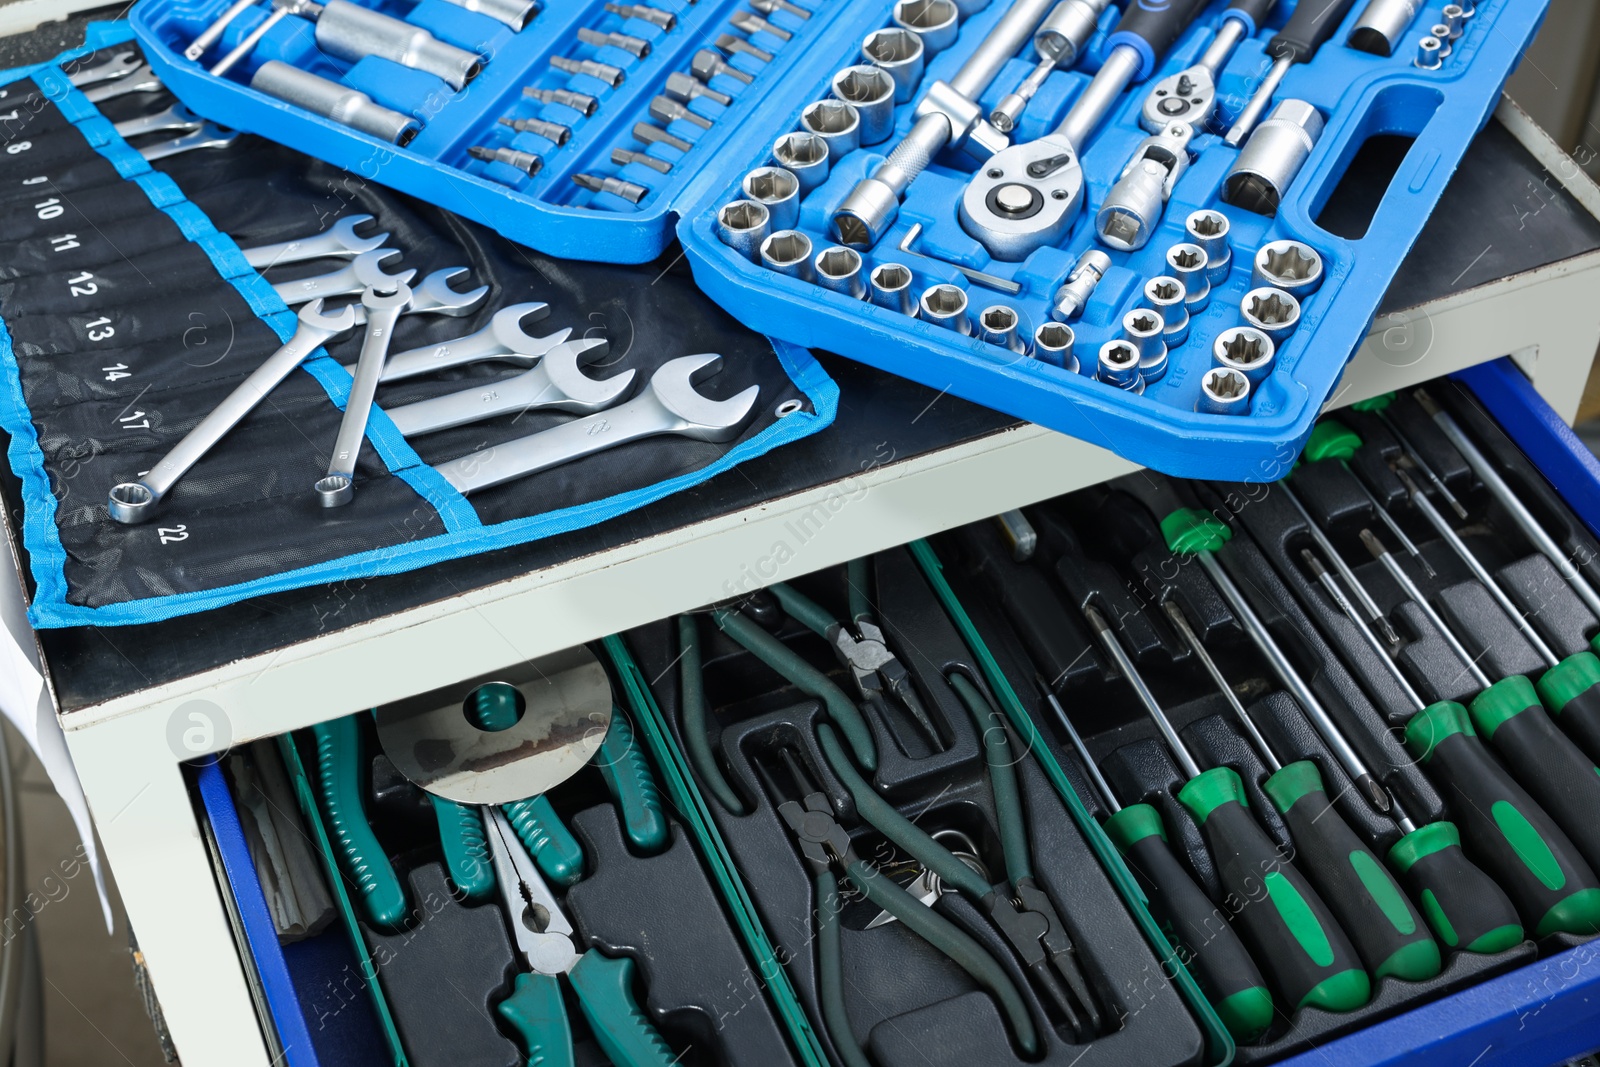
x=209 y=135
x=556 y=384
x=360 y=274
x=670 y=404
x=435 y=297
x=337 y=241
x=175 y=117
x=109 y=69
x=384 y=309
x=140 y=80
x=503 y=339
x=132 y=502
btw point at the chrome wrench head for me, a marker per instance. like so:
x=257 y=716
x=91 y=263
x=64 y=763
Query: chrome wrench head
x=133 y=502
x=384 y=307
x=172 y=117
x=110 y=69
x=577 y=392
x=140 y=80
x=698 y=416
x=502 y=339
x=209 y=135
x=436 y=297
x=338 y=241
x=360 y=274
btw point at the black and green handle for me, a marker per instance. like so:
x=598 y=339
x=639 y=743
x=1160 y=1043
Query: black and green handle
x=1463 y=905
x=1570 y=691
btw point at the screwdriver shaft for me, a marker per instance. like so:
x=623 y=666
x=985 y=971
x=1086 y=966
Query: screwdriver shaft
x=1090 y=766
x=1349 y=576
x=1125 y=667
x=1398 y=573
x=1180 y=622
x=1331 y=584
x=1428 y=472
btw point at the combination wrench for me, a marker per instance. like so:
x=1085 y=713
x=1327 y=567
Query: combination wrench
x=384 y=309
x=140 y=80
x=338 y=241
x=109 y=69
x=174 y=117
x=363 y=272
x=209 y=135
x=503 y=339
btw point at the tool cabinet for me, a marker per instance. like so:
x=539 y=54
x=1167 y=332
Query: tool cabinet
x=901 y=462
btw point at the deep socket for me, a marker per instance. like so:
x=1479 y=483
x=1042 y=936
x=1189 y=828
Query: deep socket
x=1187 y=263
x=1382 y=25
x=899 y=52
x=351 y=32
x=1146 y=330
x=1166 y=297
x=1271 y=159
x=1209 y=229
x=338 y=103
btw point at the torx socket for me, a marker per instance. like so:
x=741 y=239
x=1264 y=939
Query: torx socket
x=1293 y=266
x=837 y=123
x=839 y=268
x=1209 y=229
x=788 y=252
x=665 y=20
x=637 y=47
x=997 y=325
x=604 y=72
x=779 y=191
x=937 y=22
x=731 y=43
x=1119 y=366
x=706 y=65
x=752 y=23
x=899 y=52
x=553 y=132
x=1146 y=330
x=686 y=87
x=582 y=103
x=645 y=133
x=1167 y=297
x=666 y=109
x=805 y=155
x=1270 y=160
x=1272 y=311
x=1430 y=53
x=1223 y=391
x=1382 y=25
x=1187 y=263
x=1246 y=350
x=890 y=287
x=351 y=32
x=946 y=305
x=1052 y=342
x=339 y=103
x=621 y=157
x=870 y=91
x=743 y=225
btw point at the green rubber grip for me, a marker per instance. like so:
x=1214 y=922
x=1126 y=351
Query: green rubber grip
x=803 y=609
x=1002 y=777
x=1389 y=935
x=466 y=849
x=1197 y=928
x=696 y=717
x=547 y=839
x=807 y=679
x=535 y=1012
x=1570 y=691
x=361 y=857
x=627 y=774
x=949 y=939
x=1463 y=905
x=605 y=993
x=1290 y=931
x=1538 y=866
x=830 y=973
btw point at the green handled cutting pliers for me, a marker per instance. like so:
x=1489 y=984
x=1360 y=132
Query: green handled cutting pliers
x=544 y=940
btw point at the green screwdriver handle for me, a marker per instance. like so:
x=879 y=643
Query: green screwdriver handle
x=1552 y=886
x=627 y=774
x=605 y=993
x=1291 y=933
x=466 y=849
x=547 y=839
x=1571 y=692
x=1389 y=935
x=339 y=782
x=1200 y=933
x=535 y=1011
x=1465 y=907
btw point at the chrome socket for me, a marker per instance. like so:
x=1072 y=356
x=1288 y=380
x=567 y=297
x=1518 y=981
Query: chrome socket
x=1119 y=366
x=1168 y=298
x=339 y=103
x=1293 y=266
x=1244 y=349
x=890 y=287
x=1271 y=159
x=1209 y=229
x=743 y=225
x=788 y=252
x=352 y=32
x=937 y=22
x=1146 y=330
x=1052 y=342
x=997 y=325
x=1272 y=311
x=839 y=268
x=1382 y=26
x=1441 y=33
x=837 y=123
x=1074 y=293
x=1187 y=263
x=899 y=52
x=1223 y=391
x=778 y=191
x=1455 y=18
x=805 y=155
x=946 y=305
x=871 y=91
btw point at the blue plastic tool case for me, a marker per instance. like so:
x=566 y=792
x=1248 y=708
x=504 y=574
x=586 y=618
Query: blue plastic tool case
x=1360 y=97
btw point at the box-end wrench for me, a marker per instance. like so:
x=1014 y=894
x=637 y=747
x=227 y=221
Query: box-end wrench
x=503 y=339
x=435 y=297
x=556 y=384
x=384 y=309
x=132 y=502
x=109 y=69
x=209 y=135
x=337 y=241
x=670 y=404
x=141 y=80
x=360 y=274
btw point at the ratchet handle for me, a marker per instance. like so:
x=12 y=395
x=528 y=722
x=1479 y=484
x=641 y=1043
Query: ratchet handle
x=535 y=1012
x=1389 y=935
x=466 y=849
x=628 y=776
x=1197 y=928
x=547 y=839
x=360 y=855
x=1309 y=960
x=1307 y=29
x=1570 y=691
x=1151 y=32
x=605 y=993
x=1466 y=909
x=1552 y=886
x=1251 y=12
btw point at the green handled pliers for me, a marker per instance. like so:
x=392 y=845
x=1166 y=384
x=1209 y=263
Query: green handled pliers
x=544 y=940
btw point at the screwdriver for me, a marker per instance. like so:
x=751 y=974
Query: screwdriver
x=1379 y=406
x=1208 y=946
x=1465 y=907
x=1389 y=935
x=1290 y=930
x=1331 y=439
x=1373 y=611
x=1311 y=24
x=1508 y=714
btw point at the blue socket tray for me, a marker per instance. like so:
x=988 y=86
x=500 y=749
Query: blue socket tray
x=1359 y=96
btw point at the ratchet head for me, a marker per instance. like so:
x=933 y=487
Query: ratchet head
x=1188 y=96
x=435 y=295
x=564 y=367
x=673 y=384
